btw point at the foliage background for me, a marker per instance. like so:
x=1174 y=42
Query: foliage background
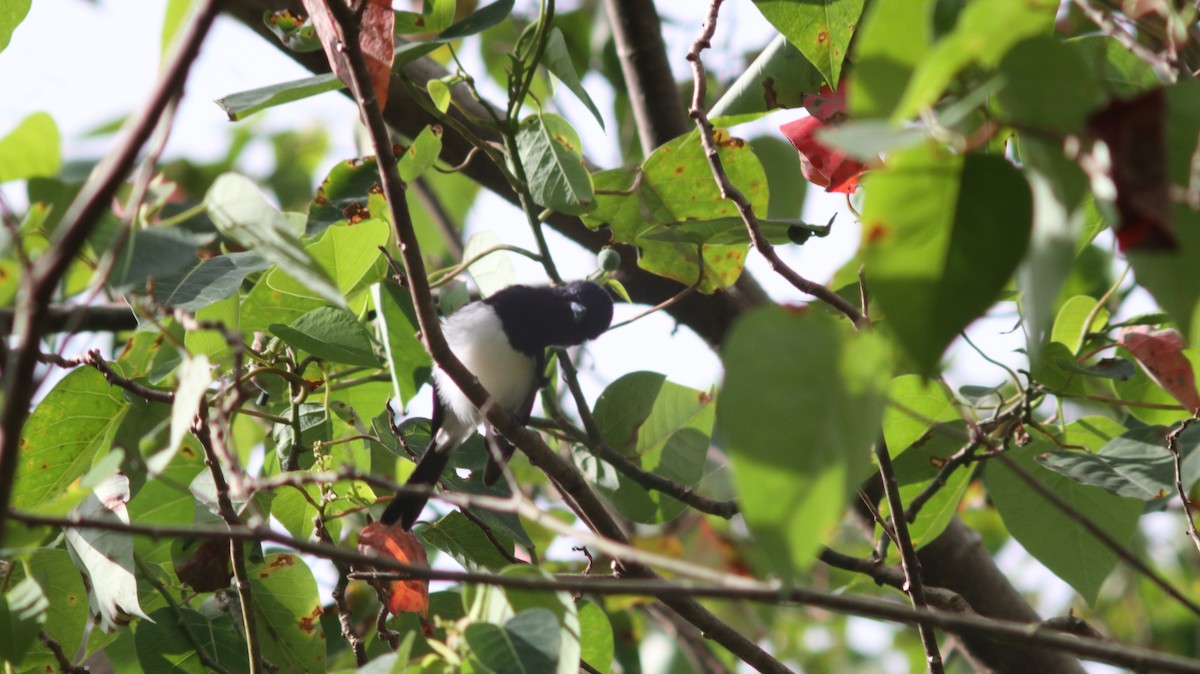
x=794 y=632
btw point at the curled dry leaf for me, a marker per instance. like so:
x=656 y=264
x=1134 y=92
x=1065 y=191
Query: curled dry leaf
x=1160 y=353
x=375 y=39
x=400 y=596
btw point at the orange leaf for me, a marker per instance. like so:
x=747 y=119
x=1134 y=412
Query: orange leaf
x=1160 y=353
x=374 y=39
x=401 y=596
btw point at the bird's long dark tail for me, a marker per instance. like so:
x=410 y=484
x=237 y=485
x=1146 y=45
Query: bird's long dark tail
x=406 y=507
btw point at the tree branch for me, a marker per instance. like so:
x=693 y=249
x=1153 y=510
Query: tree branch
x=1011 y=633
x=653 y=94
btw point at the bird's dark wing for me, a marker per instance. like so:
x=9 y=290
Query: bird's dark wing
x=406 y=507
x=501 y=447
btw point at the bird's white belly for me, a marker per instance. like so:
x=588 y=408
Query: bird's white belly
x=476 y=335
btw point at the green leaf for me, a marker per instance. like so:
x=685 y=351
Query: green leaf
x=557 y=60
x=820 y=30
x=31 y=150
x=347 y=254
x=943 y=236
x=595 y=636
x=173 y=20
x=1120 y=72
x=779 y=77
x=1052 y=537
x=984 y=33
x=207 y=282
x=663 y=428
x=799 y=410
x=494 y=606
x=213 y=343
x=784 y=180
x=67 y=617
x=410 y=364
x=240 y=212
x=464 y=542
x=164 y=646
x=479 y=21
x=493 y=272
x=11 y=16
x=1047 y=86
x=1137 y=464
x=916 y=405
x=245 y=103
x=288 y=613
x=330 y=334
x=894 y=38
x=439 y=93
x=67 y=431
x=866 y=139
x=421 y=155
x=527 y=642
x=22 y=613
x=729 y=231
x=677 y=185
x=1057 y=220
x=1069 y=328
x=552 y=155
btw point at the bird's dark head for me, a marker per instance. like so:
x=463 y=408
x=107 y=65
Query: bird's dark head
x=591 y=308
x=537 y=317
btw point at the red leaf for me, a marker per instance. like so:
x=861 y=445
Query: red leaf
x=821 y=165
x=827 y=105
x=1160 y=353
x=401 y=596
x=375 y=39
x=1135 y=133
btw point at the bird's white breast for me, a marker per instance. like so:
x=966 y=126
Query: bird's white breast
x=476 y=335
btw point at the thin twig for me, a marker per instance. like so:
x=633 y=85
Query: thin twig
x=729 y=191
x=203 y=433
x=893 y=576
x=1173 y=447
x=64 y=663
x=913 y=586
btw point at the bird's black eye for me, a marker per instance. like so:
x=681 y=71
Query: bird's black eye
x=578 y=311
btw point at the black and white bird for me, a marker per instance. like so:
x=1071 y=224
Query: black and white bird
x=502 y=340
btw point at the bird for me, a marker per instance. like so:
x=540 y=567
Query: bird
x=502 y=340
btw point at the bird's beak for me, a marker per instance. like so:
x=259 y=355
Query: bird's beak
x=578 y=311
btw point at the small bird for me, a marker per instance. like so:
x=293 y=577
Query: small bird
x=502 y=340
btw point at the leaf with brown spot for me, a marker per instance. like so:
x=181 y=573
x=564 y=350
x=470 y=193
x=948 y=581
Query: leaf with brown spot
x=1160 y=353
